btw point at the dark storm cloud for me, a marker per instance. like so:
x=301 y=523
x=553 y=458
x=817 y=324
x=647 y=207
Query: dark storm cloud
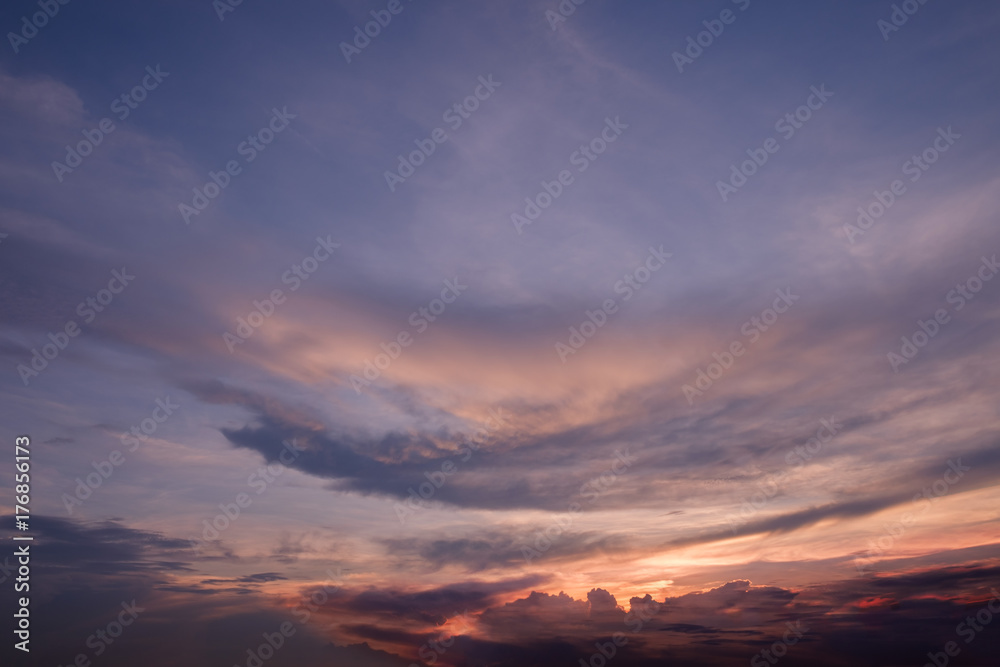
x=82 y=573
x=261 y=578
x=945 y=580
x=740 y=620
x=970 y=580
x=107 y=548
x=350 y=460
x=426 y=607
x=683 y=447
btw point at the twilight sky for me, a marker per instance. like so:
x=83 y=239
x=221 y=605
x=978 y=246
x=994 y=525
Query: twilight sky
x=519 y=333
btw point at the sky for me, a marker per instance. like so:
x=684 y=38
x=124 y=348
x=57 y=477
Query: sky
x=403 y=333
